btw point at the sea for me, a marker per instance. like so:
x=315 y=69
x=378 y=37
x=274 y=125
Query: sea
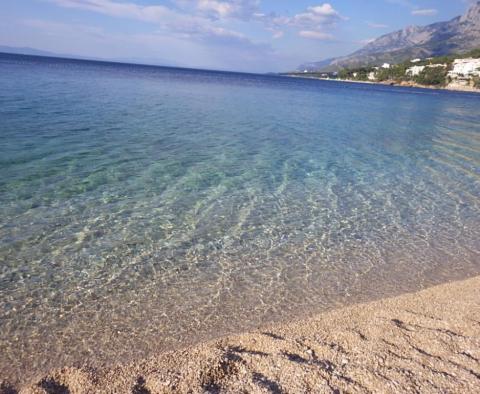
x=148 y=208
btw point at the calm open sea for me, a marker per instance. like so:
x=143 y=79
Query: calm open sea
x=145 y=208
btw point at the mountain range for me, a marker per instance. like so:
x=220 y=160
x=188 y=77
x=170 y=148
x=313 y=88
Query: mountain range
x=459 y=35
x=130 y=60
x=26 y=51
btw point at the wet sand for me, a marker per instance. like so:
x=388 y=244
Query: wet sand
x=425 y=342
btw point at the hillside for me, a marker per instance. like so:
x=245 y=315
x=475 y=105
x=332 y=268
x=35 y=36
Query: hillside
x=458 y=35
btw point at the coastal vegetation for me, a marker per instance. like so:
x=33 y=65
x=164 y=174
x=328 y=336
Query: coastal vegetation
x=433 y=76
x=435 y=71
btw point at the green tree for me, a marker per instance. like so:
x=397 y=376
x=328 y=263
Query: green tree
x=344 y=73
x=383 y=75
x=475 y=54
x=436 y=76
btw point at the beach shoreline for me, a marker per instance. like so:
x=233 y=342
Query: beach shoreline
x=450 y=88
x=428 y=341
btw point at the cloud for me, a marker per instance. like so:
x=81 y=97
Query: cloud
x=217 y=30
x=168 y=20
x=316 y=35
x=222 y=9
x=313 y=23
x=425 y=12
x=317 y=16
x=153 y=47
x=119 y=9
x=377 y=25
x=416 y=11
x=214 y=9
x=276 y=33
x=404 y=3
x=366 y=41
x=209 y=19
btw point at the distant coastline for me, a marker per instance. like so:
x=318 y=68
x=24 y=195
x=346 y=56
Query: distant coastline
x=409 y=84
x=454 y=72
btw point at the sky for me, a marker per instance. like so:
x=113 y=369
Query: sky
x=240 y=35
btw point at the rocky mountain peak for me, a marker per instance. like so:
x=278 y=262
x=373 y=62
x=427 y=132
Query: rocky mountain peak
x=473 y=14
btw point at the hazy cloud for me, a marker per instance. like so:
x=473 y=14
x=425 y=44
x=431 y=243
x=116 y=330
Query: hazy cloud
x=416 y=11
x=152 y=13
x=220 y=9
x=377 y=25
x=169 y=20
x=367 y=41
x=315 y=35
x=316 y=22
x=317 y=16
x=199 y=19
x=216 y=27
x=425 y=12
x=405 y=3
x=155 y=47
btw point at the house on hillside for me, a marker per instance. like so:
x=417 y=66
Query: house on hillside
x=465 y=68
x=464 y=71
x=415 y=70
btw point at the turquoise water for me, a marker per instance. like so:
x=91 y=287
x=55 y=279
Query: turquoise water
x=145 y=208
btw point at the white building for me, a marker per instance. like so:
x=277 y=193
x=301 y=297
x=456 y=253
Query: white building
x=437 y=65
x=372 y=76
x=415 y=60
x=415 y=70
x=465 y=68
x=386 y=65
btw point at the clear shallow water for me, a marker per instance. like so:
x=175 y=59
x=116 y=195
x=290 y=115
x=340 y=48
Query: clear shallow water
x=146 y=208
